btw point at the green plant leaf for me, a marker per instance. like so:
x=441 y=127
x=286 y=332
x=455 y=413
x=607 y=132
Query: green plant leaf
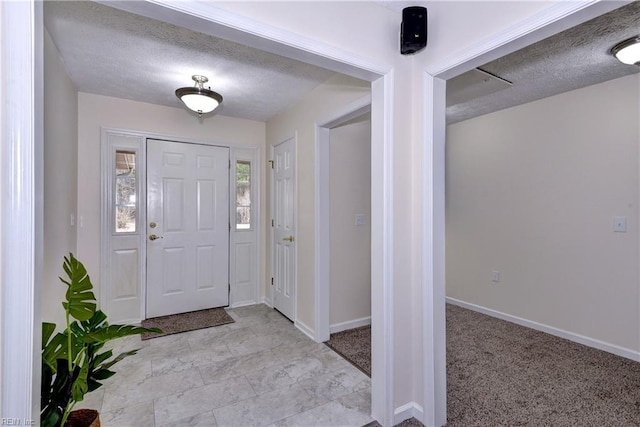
x=119 y=358
x=80 y=302
x=49 y=417
x=47 y=330
x=96 y=321
x=52 y=348
x=117 y=331
x=99 y=358
x=72 y=361
x=80 y=386
x=55 y=394
x=103 y=374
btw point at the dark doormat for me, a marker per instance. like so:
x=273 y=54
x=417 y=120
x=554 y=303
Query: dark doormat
x=183 y=322
x=355 y=346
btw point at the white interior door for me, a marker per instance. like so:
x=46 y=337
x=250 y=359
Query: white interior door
x=283 y=247
x=187 y=227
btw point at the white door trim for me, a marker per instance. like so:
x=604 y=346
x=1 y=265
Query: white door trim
x=106 y=202
x=551 y=20
x=21 y=215
x=322 y=193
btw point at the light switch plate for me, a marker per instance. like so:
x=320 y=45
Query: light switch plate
x=495 y=276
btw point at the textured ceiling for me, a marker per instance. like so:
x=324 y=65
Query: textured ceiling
x=115 y=53
x=569 y=60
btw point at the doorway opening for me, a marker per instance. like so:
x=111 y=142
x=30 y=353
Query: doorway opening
x=470 y=228
x=350 y=113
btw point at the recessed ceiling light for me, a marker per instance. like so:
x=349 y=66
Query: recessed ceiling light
x=628 y=51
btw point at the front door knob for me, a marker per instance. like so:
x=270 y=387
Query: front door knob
x=154 y=237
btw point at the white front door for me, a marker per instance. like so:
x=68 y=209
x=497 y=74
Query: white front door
x=187 y=227
x=283 y=247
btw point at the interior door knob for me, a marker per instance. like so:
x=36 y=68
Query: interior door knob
x=154 y=237
x=288 y=239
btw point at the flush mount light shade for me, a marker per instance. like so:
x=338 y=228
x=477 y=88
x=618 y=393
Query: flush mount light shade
x=199 y=99
x=628 y=51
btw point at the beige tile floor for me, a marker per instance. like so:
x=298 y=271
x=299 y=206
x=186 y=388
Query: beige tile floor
x=258 y=371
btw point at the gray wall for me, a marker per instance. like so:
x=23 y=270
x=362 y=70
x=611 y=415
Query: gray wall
x=350 y=244
x=60 y=177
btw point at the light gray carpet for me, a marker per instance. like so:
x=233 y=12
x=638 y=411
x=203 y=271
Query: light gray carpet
x=355 y=346
x=176 y=323
x=503 y=374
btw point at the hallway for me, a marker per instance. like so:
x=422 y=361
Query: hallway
x=258 y=371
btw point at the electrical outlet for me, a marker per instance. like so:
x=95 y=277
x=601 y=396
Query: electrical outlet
x=620 y=224
x=495 y=276
x=360 y=219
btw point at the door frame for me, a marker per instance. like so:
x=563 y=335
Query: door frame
x=107 y=203
x=549 y=21
x=21 y=207
x=271 y=301
x=322 y=200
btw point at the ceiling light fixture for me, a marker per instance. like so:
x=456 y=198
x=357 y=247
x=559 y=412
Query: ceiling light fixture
x=199 y=99
x=628 y=51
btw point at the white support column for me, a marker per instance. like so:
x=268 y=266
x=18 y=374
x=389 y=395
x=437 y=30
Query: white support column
x=433 y=285
x=20 y=208
x=382 y=379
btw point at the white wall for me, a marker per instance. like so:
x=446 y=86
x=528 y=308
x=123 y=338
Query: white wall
x=95 y=111
x=531 y=192
x=350 y=244
x=373 y=31
x=299 y=120
x=60 y=178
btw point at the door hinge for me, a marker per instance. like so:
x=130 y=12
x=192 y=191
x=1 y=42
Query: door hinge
x=271 y=161
x=273 y=223
x=272 y=281
x=229 y=164
x=229 y=226
x=229 y=291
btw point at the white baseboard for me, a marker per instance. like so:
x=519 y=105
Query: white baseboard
x=580 y=339
x=406 y=411
x=266 y=301
x=343 y=326
x=242 y=304
x=305 y=329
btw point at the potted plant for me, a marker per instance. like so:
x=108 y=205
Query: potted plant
x=73 y=361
